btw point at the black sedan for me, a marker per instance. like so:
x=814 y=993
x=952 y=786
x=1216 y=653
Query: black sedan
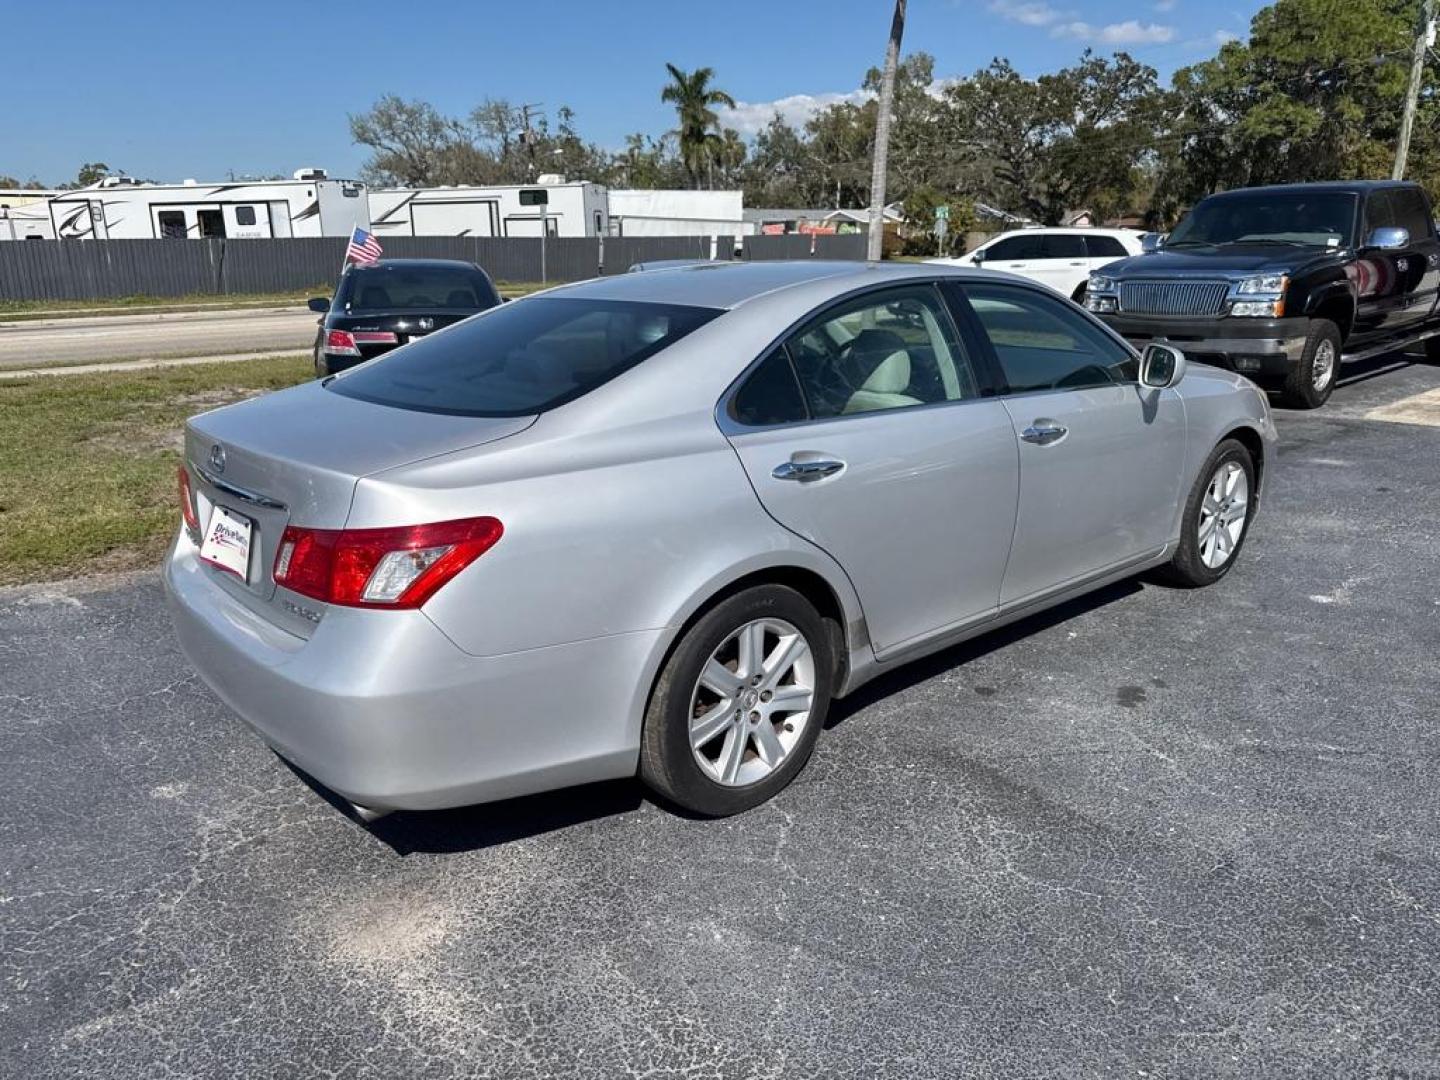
x=385 y=304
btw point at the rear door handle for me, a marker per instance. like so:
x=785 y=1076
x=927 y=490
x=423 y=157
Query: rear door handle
x=1043 y=434
x=806 y=470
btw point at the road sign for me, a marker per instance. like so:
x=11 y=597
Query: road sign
x=942 y=213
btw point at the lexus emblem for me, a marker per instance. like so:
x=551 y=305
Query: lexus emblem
x=426 y=323
x=217 y=458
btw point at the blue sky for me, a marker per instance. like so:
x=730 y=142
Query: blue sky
x=171 y=90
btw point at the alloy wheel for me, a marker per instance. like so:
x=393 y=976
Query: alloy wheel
x=1222 y=514
x=751 y=702
x=1322 y=368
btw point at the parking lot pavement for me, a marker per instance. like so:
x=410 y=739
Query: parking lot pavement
x=1155 y=833
x=105 y=338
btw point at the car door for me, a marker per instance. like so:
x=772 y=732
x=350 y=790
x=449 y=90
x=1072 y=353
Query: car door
x=1101 y=458
x=1417 y=265
x=1379 y=274
x=871 y=432
x=1016 y=254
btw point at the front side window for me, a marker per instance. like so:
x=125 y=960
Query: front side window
x=522 y=358
x=1043 y=344
x=1411 y=213
x=1014 y=249
x=882 y=351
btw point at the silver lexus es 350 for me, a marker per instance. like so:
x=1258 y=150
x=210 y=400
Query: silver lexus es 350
x=655 y=523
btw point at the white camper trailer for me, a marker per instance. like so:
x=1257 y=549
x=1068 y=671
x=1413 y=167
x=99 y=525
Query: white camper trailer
x=24 y=214
x=119 y=209
x=576 y=208
x=677 y=213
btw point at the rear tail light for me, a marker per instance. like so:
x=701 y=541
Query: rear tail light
x=341 y=343
x=392 y=568
x=187 y=500
x=375 y=337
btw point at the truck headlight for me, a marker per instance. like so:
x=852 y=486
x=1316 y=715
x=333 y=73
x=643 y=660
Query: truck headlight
x=1100 y=303
x=1100 y=283
x=1262 y=285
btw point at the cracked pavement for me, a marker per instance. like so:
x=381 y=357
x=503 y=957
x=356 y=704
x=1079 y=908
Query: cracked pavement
x=1153 y=833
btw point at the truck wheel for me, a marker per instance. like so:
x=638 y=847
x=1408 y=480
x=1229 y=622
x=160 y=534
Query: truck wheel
x=1312 y=378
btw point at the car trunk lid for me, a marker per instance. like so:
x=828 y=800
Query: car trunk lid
x=294 y=457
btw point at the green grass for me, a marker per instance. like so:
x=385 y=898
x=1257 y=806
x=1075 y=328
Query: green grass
x=87 y=462
x=22 y=310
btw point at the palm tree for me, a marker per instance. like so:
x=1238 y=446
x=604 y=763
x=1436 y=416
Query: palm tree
x=694 y=100
x=876 y=239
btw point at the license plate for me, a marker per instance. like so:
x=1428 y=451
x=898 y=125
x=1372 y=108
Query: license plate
x=227 y=543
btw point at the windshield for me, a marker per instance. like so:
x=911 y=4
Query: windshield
x=1319 y=218
x=412 y=288
x=521 y=358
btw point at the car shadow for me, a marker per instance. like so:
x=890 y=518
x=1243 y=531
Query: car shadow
x=1358 y=371
x=472 y=828
x=918 y=671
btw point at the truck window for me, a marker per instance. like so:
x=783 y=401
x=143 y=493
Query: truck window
x=1299 y=217
x=1410 y=212
x=244 y=215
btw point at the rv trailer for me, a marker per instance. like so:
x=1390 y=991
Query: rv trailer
x=24 y=215
x=576 y=208
x=118 y=208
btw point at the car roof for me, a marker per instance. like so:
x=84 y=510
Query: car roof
x=723 y=284
x=1067 y=230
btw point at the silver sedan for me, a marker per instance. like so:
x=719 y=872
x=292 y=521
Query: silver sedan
x=657 y=522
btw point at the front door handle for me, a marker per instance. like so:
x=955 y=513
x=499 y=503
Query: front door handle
x=806 y=470
x=1042 y=434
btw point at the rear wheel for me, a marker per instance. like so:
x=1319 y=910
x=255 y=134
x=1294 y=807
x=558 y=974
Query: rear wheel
x=740 y=703
x=1217 y=517
x=1312 y=379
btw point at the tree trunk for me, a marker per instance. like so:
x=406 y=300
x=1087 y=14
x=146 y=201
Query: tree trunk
x=882 y=135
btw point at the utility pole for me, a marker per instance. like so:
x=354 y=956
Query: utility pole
x=882 y=135
x=527 y=135
x=1424 y=38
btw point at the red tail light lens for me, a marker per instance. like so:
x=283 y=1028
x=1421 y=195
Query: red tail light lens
x=392 y=568
x=187 y=500
x=341 y=343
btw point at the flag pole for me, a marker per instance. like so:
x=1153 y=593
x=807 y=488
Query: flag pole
x=345 y=256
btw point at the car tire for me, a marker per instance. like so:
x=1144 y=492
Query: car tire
x=320 y=371
x=718 y=742
x=1311 y=380
x=1208 y=548
x=1432 y=350
x=1079 y=294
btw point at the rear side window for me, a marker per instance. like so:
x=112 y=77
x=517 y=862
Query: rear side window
x=406 y=288
x=245 y=215
x=1104 y=247
x=1042 y=343
x=1063 y=246
x=771 y=394
x=521 y=358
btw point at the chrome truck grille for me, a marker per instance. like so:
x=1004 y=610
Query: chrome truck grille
x=1172 y=297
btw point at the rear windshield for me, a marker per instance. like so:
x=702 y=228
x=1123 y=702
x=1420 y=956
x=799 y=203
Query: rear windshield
x=1312 y=218
x=521 y=358
x=432 y=288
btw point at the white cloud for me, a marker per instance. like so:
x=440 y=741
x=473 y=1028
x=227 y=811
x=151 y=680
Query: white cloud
x=1220 y=37
x=1164 y=5
x=1026 y=12
x=752 y=117
x=1129 y=32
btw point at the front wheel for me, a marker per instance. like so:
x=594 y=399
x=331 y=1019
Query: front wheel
x=740 y=703
x=1312 y=378
x=1217 y=516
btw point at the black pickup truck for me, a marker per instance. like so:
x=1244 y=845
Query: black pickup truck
x=1278 y=282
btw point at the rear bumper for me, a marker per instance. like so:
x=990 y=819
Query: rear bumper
x=1264 y=347
x=384 y=709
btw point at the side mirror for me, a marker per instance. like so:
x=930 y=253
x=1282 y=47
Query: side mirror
x=1152 y=242
x=978 y=257
x=318 y=304
x=1388 y=238
x=1161 y=366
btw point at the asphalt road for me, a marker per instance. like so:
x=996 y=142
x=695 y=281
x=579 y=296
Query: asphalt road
x=1153 y=834
x=100 y=338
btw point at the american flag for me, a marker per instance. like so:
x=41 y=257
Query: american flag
x=363 y=248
